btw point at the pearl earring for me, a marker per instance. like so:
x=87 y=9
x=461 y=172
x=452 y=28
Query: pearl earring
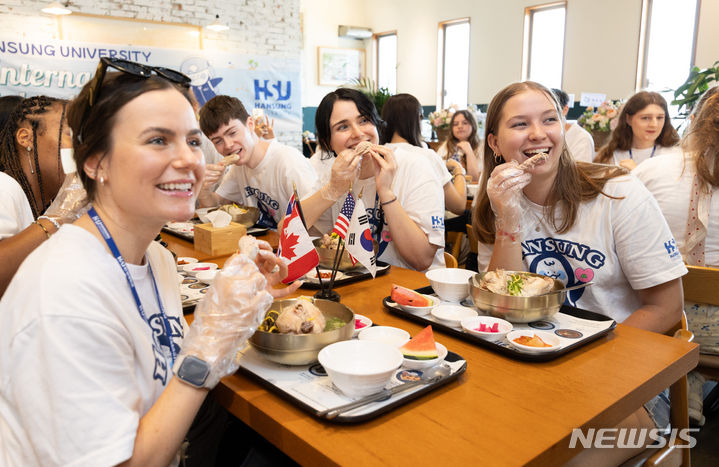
x=29 y=160
x=102 y=180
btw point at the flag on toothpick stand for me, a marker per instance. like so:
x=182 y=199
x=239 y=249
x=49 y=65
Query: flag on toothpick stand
x=343 y=220
x=359 y=238
x=296 y=245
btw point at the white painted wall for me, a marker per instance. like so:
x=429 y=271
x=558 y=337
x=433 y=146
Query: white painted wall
x=601 y=45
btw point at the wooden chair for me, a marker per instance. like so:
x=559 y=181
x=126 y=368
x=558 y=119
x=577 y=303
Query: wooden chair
x=701 y=285
x=449 y=260
x=472 y=239
x=455 y=240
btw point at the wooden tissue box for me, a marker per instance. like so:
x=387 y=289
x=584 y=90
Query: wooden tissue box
x=218 y=241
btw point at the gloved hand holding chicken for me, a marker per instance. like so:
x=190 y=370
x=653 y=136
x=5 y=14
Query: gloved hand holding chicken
x=504 y=190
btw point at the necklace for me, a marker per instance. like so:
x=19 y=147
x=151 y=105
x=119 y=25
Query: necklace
x=652 y=155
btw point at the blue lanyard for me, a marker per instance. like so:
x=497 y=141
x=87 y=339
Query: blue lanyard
x=121 y=261
x=653 y=150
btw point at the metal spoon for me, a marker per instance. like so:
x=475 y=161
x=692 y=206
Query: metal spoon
x=431 y=376
x=574 y=287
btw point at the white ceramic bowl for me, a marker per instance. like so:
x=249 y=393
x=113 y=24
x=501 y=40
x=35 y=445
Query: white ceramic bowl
x=207 y=276
x=470 y=325
x=450 y=284
x=420 y=310
x=360 y=367
x=183 y=261
x=452 y=315
x=413 y=364
x=361 y=323
x=387 y=334
x=193 y=268
x=545 y=336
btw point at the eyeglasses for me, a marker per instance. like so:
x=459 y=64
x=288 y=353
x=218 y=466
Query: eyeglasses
x=131 y=68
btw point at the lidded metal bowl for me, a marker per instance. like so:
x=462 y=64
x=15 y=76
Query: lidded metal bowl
x=327 y=257
x=517 y=309
x=302 y=349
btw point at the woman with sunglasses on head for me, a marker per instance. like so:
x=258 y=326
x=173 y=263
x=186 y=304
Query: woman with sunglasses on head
x=576 y=222
x=644 y=130
x=403 y=199
x=91 y=327
x=463 y=144
x=31 y=177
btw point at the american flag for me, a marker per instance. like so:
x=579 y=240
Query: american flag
x=343 y=220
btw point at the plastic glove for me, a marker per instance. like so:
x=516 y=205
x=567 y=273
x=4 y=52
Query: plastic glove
x=71 y=201
x=345 y=170
x=504 y=190
x=233 y=308
x=213 y=174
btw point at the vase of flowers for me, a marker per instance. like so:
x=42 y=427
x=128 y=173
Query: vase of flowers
x=441 y=121
x=600 y=121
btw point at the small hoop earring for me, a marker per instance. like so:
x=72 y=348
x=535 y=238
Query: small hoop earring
x=498 y=159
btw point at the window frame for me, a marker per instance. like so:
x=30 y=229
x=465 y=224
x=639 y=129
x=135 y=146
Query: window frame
x=375 y=38
x=441 y=55
x=527 y=37
x=640 y=81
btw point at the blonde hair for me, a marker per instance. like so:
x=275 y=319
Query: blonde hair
x=576 y=181
x=702 y=141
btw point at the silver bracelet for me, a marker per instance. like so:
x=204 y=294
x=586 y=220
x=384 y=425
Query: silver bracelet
x=51 y=219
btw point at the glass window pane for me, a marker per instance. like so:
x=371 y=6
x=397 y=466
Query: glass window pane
x=456 y=64
x=546 y=46
x=387 y=62
x=669 y=46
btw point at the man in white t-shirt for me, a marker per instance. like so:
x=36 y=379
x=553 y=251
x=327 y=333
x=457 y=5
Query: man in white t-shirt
x=579 y=141
x=262 y=173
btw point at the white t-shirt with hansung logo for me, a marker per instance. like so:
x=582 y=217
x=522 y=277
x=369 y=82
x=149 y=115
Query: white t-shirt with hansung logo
x=621 y=245
x=15 y=211
x=79 y=366
x=417 y=190
x=269 y=185
x=579 y=143
x=438 y=165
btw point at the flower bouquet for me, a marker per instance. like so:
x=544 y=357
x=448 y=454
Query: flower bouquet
x=600 y=121
x=441 y=120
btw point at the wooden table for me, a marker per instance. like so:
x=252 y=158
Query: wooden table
x=500 y=412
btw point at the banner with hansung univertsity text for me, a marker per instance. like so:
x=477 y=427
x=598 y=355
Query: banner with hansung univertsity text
x=61 y=68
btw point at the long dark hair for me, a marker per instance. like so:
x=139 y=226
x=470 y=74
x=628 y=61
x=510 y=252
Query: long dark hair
x=473 y=139
x=622 y=135
x=575 y=182
x=403 y=115
x=364 y=105
x=33 y=111
x=702 y=140
x=96 y=135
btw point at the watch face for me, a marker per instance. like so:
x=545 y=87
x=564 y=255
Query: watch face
x=194 y=371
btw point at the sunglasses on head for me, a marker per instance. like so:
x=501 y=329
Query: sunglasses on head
x=131 y=68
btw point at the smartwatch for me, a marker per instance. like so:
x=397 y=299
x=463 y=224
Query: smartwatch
x=193 y=371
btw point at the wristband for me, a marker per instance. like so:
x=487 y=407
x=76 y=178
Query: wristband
x=388 y=202
x=43 y=228
x=512 y=236
x=54 y=222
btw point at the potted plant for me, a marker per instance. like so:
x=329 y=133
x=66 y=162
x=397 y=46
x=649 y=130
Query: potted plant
x=441 y=120
x=687 y=95
x=599 y=122
x=378 y=95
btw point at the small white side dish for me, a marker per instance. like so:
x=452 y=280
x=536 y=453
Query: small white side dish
x=413 y=364
x=450 y=284
x=548 y=338
x=193 y=268
x=386 y=334
x=207 y=276
x=183 y=261
x=470 y=325
x=452 y=315
x=361 y=323
x=421 y=310
x=360 y=367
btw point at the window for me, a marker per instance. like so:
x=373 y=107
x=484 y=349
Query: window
x=453 y=44
x=543 y=51
x=666 y=49
x=387 y=61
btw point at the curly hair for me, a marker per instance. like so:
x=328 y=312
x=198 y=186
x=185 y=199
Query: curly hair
x=32 y=110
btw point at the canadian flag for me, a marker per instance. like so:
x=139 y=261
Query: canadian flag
x=296 y=245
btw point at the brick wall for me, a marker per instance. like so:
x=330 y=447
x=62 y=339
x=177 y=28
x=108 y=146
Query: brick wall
x=266 y=27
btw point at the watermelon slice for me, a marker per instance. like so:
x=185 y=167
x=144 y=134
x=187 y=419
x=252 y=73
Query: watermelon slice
x=421 y=346
x=408 y=297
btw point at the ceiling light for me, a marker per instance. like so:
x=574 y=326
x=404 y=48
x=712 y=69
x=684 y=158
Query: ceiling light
x=55 y=8
x=217 y=26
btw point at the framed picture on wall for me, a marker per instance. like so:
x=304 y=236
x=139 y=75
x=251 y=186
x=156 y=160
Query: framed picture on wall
x=339 y=66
